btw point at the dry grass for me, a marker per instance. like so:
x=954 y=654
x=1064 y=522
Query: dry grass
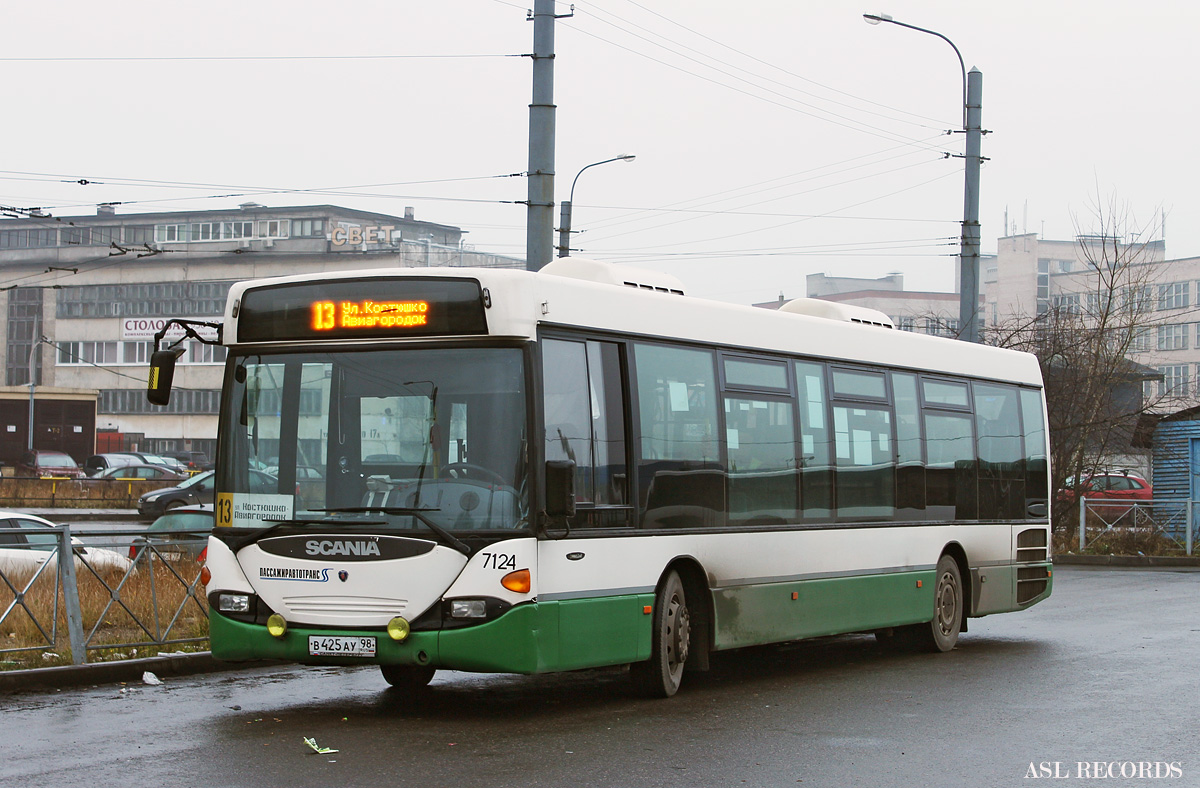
x=138 y=620
x=1117 y=540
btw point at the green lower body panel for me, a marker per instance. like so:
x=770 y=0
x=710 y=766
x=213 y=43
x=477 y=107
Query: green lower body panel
x=768 y=613
x=532 y=638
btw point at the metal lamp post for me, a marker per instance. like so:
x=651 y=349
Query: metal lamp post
x=32 y=386
x=968 y=300
x=564 y=224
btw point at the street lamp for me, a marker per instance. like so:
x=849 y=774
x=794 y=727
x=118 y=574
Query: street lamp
x=36 y=344
x=968 y=298
x=564 y=223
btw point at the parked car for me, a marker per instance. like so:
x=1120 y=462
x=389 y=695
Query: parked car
x=24 y=550
x=101 y=462
x=164 y=534
x=158 y=459
x=126 y=472
x=1114 y=486
x=44 y=463
x=195 y=460
x=98 y=462
x=196 y=490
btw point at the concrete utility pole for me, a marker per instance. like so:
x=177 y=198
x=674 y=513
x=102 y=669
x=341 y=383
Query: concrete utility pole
x=539 y=222
x=968 y=291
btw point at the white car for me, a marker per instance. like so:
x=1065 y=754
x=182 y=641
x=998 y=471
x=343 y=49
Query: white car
x=24 y=549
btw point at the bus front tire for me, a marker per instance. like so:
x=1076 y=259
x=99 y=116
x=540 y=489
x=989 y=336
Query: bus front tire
x=941 y=633
x=407 y=677
x=661 y=675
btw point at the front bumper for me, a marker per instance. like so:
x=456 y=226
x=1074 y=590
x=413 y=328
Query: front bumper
x=508 y=644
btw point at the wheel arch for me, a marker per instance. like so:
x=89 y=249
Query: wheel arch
x=959 y=554
x=695 y=585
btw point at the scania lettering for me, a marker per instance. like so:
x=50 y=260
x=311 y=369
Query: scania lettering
x=584 y=467
x=342 y=548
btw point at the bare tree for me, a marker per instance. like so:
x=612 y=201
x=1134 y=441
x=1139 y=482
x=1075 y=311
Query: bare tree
x=1085 y=345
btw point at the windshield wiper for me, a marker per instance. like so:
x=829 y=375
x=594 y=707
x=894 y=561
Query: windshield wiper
x=237 y=542
x=419 y=514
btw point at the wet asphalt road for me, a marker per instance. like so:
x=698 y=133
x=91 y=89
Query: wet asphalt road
x=1106 y=670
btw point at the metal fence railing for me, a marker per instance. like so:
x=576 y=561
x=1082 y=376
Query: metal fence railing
x=21 y=492
x=1170 y=519
x=123 y=589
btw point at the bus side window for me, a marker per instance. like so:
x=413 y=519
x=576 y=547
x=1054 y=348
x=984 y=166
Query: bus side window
x=862 y=429
x=584 y=416
x=1001 y=471
x=816 y=457
x=952 y=469
x=1036 y=489
x=680 y=471
x=910 y=459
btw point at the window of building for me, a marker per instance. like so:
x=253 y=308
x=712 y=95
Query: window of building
x=128 y=401
x=1065 y=266
x=103 y=236
x=28 y=238
x=1173 y=336
x=905 y=323
x=308 y=228
x=139 y=234
x=1067 y=303
x=136 y=352
x=941 y=326
x=76 y=236
x=1175 y=380
x=88 y=353
x=201 y=353
x=274 y=228
x=1173 y=295
x=1141 y=339
x=24 y=325
x=170 y=299
x=1137 y=299
x=237 y=229
x=170 y=233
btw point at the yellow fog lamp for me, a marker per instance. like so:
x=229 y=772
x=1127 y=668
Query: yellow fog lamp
x=276 y=625
x=398 y=629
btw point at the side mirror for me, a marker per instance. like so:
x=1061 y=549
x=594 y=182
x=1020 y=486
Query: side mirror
x=162 y=372
x=560 y=488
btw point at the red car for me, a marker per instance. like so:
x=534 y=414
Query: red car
x=44 y=464
x=1112 y=486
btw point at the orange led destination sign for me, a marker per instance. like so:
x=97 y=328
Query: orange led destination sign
x=375 y=307
x=328 y=315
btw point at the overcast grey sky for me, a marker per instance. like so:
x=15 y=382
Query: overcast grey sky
x=773 y=139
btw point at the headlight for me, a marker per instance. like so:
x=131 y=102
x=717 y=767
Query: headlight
x=468 y=608
x=233 y=603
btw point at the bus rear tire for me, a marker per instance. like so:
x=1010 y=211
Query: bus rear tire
x=941 y=633
x=661 y=675
x=407 y=677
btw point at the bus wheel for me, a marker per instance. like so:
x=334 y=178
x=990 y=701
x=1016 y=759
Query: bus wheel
x=942 y=632
x=407 y=677
x=661 y=675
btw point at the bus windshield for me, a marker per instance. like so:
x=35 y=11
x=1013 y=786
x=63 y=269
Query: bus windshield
x=371 y=435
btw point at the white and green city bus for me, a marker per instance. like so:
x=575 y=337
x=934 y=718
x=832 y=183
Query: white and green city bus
x=505 y=471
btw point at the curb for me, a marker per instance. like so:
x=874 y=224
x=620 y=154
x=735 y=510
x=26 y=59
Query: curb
x=1129 y=560
x=127 y=670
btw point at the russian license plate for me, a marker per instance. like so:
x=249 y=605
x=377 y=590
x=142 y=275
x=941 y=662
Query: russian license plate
x=322 y=646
